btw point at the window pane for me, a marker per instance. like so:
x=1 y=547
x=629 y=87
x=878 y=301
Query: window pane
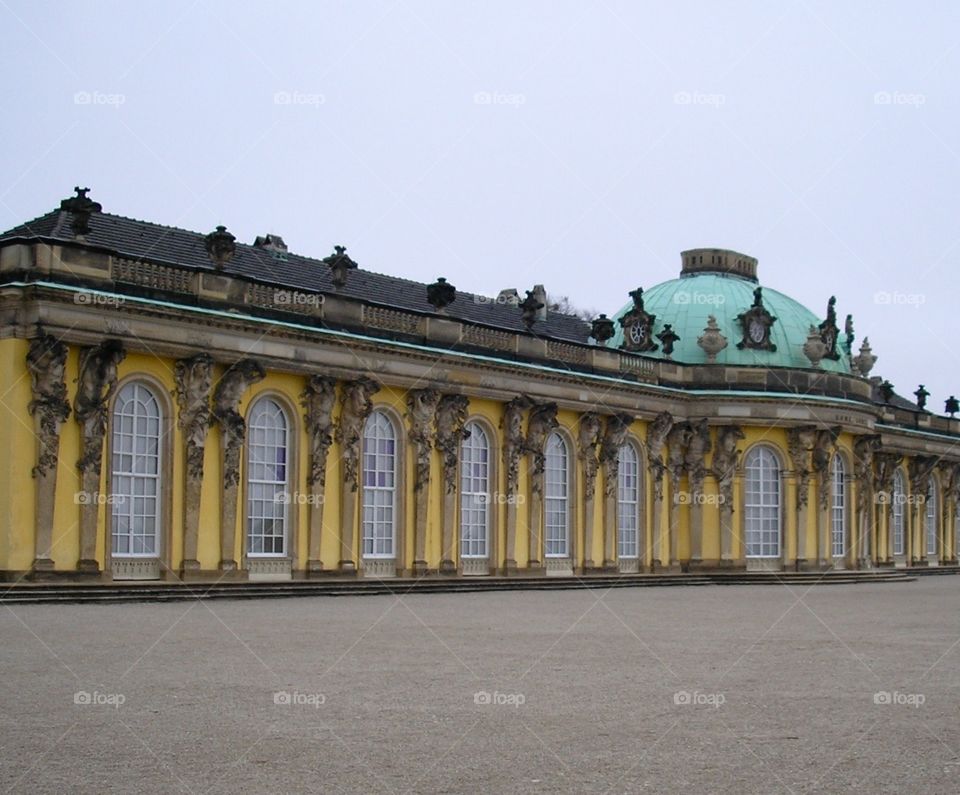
x=762 y=504
x=268 y=492
x=135 y=472
x=378 y=529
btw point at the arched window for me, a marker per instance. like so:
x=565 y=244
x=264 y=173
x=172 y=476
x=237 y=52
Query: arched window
x=838 y=509
x=268 y=487
x=475 y=493
x=932 y=517
x=899 y=499
x=557 y=498
x=628 y=502
x=379 y=487
x=136 y=472
x=762 y=504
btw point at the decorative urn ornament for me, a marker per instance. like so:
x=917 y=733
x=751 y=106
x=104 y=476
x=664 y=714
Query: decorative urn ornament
x=221 y=246
x=886 y=391
x=951 y=406
x=340 y=265
x=668 y=338
x=864 y=362
x=815 y=348
x=81 y=207
x=530 y=306
x=601 y=328
x=441 y=294
x=712 y=341
x=921 y=394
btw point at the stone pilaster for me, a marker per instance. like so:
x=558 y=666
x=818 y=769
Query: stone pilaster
x=824 y=448
x=951 y=498
x=237 y=379
x=919 y=471
x=864 y=450
x=726 y=459
x=513 y=445
x=615 y=433
x=886 y=467
x=193 y=378
x=677 y=441
x=657 y=433
x=421 y=411
x=317 y=399
x=356 y=404
x=588 y=437
x=46 y=361
x=543 y=420
x=451 y=419
x=694 y=461
x=96 y=384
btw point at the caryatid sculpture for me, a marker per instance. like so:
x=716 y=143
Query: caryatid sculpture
x=726 y=459
x=318 y=399
x=451 y=433
x=657 y=433
x=615 y=432
x=237 y=379
x=421 y=410
x=356 y=405
x=193 y=378
x=46 y=362
x=96 y=384
x=542 y=421
x=513 y=446
x=588 y=438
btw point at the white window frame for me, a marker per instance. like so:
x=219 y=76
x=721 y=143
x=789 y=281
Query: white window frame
x=838 y=508
x=628 y=503
x=931 y=519
x=898 y=513
x=475 y=470
x=379 y=497
x=259 y=486
x=556 y=478
x=124 y=504
x=763 y=504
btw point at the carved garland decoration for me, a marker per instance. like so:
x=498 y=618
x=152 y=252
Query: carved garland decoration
x=451 y=419
x=193 y=378
x=226 y=399
x=355 y=406
x=46 y=361
x=96 y=383
x=317 y=400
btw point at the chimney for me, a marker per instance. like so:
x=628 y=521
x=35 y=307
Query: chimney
x=272 y=243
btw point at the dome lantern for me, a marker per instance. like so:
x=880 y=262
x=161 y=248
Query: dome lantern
x=718 y=260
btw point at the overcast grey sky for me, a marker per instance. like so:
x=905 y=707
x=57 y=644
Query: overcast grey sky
x=582 y=145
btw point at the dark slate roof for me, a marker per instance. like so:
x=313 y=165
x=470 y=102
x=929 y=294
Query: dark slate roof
x=896 y=401
x=143 y=240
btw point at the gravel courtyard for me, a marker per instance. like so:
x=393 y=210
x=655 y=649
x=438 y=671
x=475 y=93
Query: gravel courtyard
x=693 y=689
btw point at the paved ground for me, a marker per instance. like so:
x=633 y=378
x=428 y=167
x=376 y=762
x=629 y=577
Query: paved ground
x=585 y=688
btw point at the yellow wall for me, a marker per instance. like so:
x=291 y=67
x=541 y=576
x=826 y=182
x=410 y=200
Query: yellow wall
x=17 y=487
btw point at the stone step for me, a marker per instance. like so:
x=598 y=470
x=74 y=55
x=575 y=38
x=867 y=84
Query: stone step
x=37 y=593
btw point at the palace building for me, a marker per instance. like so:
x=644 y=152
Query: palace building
x=179 y=405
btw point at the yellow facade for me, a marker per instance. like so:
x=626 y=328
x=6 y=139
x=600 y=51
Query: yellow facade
x=17 y=486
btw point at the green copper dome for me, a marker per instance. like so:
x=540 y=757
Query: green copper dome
x=725 y=290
